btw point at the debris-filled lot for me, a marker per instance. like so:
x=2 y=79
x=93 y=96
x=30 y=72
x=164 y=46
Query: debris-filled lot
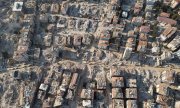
x=89 y=54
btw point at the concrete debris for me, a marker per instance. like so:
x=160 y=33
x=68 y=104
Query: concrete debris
x=93 y=53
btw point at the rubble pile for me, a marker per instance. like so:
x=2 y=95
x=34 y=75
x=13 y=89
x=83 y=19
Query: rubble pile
x=89 y=53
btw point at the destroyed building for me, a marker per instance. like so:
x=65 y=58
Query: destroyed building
x=131 y=93
x=174 y=44
x=87 y=94
x=168 y=77
x=118 y=103
x=137 y=20
x=142 y=44
x=116 y=72
x=131 y=104
x=66 y=54
x=168 y=33
x=101 y=83
x=164 y=101
x=162 y=89
x=104 y=39
x=116 y=37
x=74 y=81
x=55 y=8
x=117 y=82
x=131 y=83
x=165 y=20
x=117 y=93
